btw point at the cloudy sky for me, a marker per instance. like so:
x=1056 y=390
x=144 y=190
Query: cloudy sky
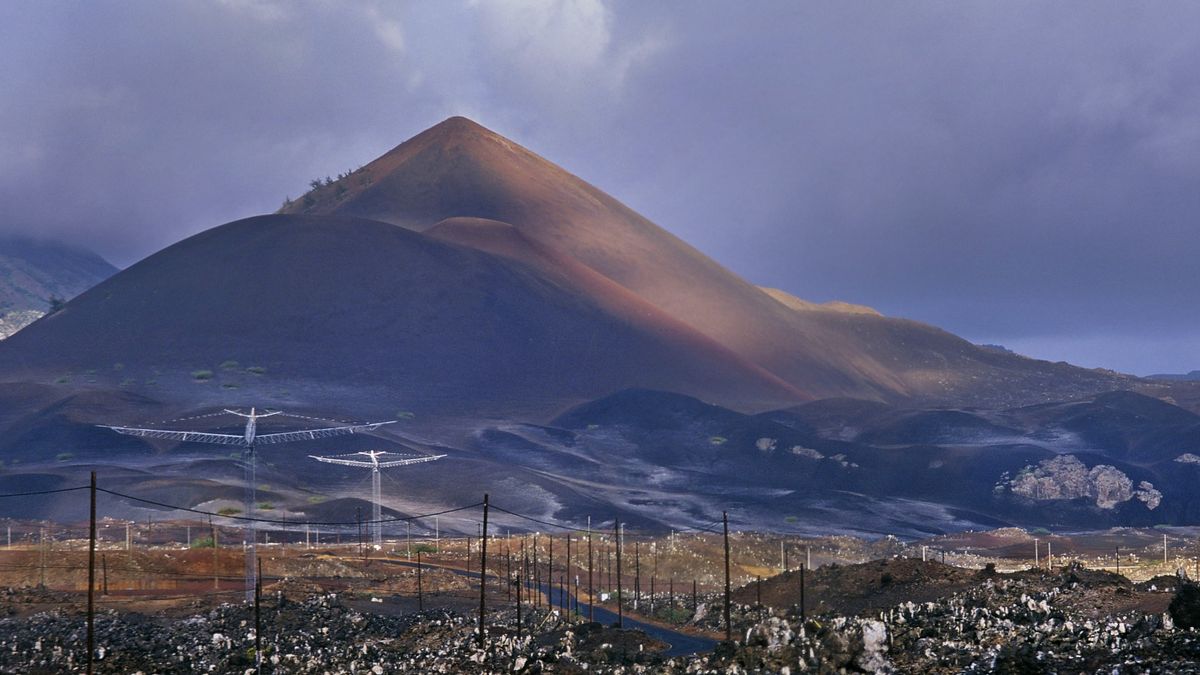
x=1023 y=174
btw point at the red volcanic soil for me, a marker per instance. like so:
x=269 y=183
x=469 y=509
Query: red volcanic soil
x=459 y=169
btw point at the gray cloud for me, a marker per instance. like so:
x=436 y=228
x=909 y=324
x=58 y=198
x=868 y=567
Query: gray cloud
x=1018 y=173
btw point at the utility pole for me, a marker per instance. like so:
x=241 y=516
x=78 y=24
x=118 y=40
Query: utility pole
x=213 y=531
x=258 y=616
x=637 y=574
x=802 y=607
x=620 y=607
x=591 y=590
x=420 y=599
x=483 y=572
x=521 y=586
x=728 y=626
x=91 y=622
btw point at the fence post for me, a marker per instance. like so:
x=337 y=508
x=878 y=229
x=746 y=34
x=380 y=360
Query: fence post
x=104 y=567
x=91 y=626
x=420 y=593
x=728 y=626
x=483 y=573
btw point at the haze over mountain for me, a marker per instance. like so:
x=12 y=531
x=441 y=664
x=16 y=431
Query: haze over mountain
x=34 y=271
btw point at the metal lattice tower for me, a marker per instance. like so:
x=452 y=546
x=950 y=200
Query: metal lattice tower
x=375 y=465
x=248 y=440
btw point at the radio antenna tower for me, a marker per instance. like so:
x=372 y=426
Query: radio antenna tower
x=248 y=440
x=375 y=465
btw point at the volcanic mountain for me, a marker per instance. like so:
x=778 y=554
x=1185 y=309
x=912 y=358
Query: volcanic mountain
x=460 y=170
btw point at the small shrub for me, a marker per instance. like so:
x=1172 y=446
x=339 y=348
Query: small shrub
x=203 y=542
x=63 y=379
x=202 y=375
x=1185 y=606
x=265 y=506
x=886 y=579
x=229 y=385
x=256 y=370
x=228 y=511
x=118 y=366
x=718 y=440
x=64 y=456
x=229 y=365
x=405 y=415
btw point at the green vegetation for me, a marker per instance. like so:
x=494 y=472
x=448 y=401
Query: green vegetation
x=127 y=382
x=202 y=542
x=790 y=519
x=202 y=375
x=55 y=304
x=405 y=415
x=266 y=506
x=718 y=440
x=424 y=548
x=228 y=511
x=228 y=385
x=316 y=499
x=63 y=379
x=118 y=366
x=229 y=365
x=64 y=456
x=256 y=370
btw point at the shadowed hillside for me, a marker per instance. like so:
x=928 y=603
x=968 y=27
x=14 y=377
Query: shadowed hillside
x=361 y=310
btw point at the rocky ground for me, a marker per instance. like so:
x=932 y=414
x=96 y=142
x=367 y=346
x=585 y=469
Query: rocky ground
x=1070 y=620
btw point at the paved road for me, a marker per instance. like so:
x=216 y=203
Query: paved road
x=681 y=644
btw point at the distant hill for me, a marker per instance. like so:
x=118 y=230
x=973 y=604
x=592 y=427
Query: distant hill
x=33 y=271
x=1193 y=376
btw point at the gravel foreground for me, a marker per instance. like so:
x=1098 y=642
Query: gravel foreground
x=1073 y=621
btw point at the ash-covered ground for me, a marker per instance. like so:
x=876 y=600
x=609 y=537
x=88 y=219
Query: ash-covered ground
x=885 y=616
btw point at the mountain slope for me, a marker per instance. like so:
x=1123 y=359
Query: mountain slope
x=369 y=311
x=31 y=272
x=460 y=169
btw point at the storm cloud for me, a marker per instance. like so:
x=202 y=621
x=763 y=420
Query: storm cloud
x=1027 y=174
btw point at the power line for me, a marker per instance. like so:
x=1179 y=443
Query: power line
x=44 y=492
